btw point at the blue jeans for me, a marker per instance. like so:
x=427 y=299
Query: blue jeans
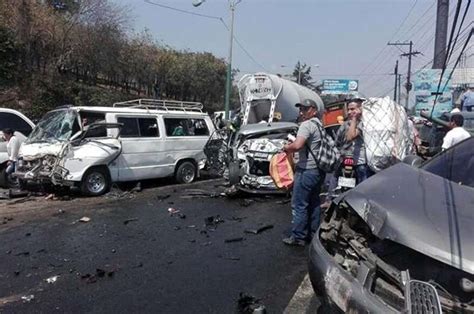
x=363 y=172
x=305 y=202
x=10 y=168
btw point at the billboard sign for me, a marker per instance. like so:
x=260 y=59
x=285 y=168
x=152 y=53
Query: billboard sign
x=426 y=87
x=336 y=86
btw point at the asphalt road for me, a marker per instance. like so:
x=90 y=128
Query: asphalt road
x=132 y=256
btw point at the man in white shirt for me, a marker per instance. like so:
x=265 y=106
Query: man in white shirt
x=13 y=146
x=457 y=132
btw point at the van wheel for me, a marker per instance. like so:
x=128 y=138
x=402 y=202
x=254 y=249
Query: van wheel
x=95 y=182
x=186 y=172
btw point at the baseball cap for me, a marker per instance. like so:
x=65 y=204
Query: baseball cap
x=307 y=103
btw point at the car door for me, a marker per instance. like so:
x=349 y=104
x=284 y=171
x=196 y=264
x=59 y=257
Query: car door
x=142 y=154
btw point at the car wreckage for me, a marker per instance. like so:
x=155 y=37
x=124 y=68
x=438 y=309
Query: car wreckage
x=401 y=241
x=243 y=156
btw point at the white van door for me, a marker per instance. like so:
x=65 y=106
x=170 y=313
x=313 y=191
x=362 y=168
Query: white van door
x=185 y=138
x=143 y=149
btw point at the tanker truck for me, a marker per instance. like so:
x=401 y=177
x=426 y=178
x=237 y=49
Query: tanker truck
x=269 y=96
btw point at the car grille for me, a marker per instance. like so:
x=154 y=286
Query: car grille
x=423 y=298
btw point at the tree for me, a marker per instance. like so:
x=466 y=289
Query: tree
x=302 y=76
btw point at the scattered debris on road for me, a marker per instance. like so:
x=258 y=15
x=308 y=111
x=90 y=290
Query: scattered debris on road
x=161 y=198
x=247 y=304
x=5 y=220
x=52 y=279
x=84 y=219
x=198 y=193
x=173 y=211
x=28 y=298
x=238 y=239
x=211 y=222
x=127 y=221
x=259 y=230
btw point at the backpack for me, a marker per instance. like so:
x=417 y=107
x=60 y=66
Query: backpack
x=327 y=157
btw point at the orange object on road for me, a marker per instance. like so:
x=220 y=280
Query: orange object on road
x=281 y=170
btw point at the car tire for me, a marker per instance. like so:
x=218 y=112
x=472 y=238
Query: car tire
x=186 y=172
x=95 y=182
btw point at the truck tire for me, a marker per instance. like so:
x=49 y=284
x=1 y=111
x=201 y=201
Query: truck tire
x=95 y=182
x=186 y=172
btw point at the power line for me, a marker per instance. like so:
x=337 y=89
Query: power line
x=209 y=17
x=393 y=36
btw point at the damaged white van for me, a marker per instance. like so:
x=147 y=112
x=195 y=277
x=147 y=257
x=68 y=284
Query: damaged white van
x=91 y=147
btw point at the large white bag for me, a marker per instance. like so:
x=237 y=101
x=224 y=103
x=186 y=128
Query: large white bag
x=388 y=134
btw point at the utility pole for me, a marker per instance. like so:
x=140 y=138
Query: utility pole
x=411 y=53
x=441 y=34
x=395 y=72
x=399 y=87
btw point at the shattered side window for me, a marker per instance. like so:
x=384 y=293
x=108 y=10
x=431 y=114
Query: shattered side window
x=456 y=164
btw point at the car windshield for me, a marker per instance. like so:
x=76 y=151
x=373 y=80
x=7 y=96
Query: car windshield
x=456 y=164
x=55 y=126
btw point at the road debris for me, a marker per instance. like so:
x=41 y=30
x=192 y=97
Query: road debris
x=161 y=198
x=238 y=219
x=5 y=220
x=229 y=258
x=259 y=230
x=211 y=222
x=28 y=298
x=246 y=202
x=198 y=193
x=176 y=228
x=173 y=211
x=206 y=243
x=248 y=304
x=26 y=253
x=238 y=239
x=52 y=279
x=84 y=219
x=127 y=221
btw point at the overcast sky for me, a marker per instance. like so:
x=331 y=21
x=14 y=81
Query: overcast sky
x=346 y=38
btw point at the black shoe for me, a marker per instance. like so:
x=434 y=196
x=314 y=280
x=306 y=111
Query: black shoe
x=293 y=241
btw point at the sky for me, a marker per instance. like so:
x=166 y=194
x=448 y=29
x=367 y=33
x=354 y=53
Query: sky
x=337 y=38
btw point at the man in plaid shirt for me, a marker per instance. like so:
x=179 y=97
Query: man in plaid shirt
x=308 y=178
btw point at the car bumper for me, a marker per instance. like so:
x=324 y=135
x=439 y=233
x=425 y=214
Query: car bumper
x=339 y=288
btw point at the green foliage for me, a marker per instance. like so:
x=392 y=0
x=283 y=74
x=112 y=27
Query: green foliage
x=80 y=53
x=8 y=59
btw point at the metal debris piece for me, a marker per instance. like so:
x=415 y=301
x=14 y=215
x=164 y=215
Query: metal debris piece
x=238 y=239
x=173 y=211
x=238 y=219
x=26 y=253
x=177 y=228
x=259 y=230
x=52 y=279
x=28 y=298
x=126 y=221
x=206 y=243
x=182 y=216
x=85 y=219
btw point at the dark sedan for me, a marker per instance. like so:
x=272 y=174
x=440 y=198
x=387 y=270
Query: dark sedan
x=401 y=241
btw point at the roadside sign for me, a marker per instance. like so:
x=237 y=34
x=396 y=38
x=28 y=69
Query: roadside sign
x=340 y=86
x=426 y=88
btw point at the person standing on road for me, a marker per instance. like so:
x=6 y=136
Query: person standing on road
x=350 y=140
x=13 y=146
x=457 y=133
x=467 y=99
x=308 y=179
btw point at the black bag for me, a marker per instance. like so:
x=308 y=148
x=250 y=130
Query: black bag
x=328 y=155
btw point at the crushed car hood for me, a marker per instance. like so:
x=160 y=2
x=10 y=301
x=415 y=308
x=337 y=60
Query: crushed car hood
x=420 y=210
x=37 y=150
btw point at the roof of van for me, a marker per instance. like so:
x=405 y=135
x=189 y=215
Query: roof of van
x=135 y=110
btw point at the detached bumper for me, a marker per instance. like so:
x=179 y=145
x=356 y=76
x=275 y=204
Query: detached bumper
x=339 y=288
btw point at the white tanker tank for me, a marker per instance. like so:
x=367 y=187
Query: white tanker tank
x=265 y=95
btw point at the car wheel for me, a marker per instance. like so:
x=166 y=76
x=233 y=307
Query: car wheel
x=186 y=172
x=95 y=182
